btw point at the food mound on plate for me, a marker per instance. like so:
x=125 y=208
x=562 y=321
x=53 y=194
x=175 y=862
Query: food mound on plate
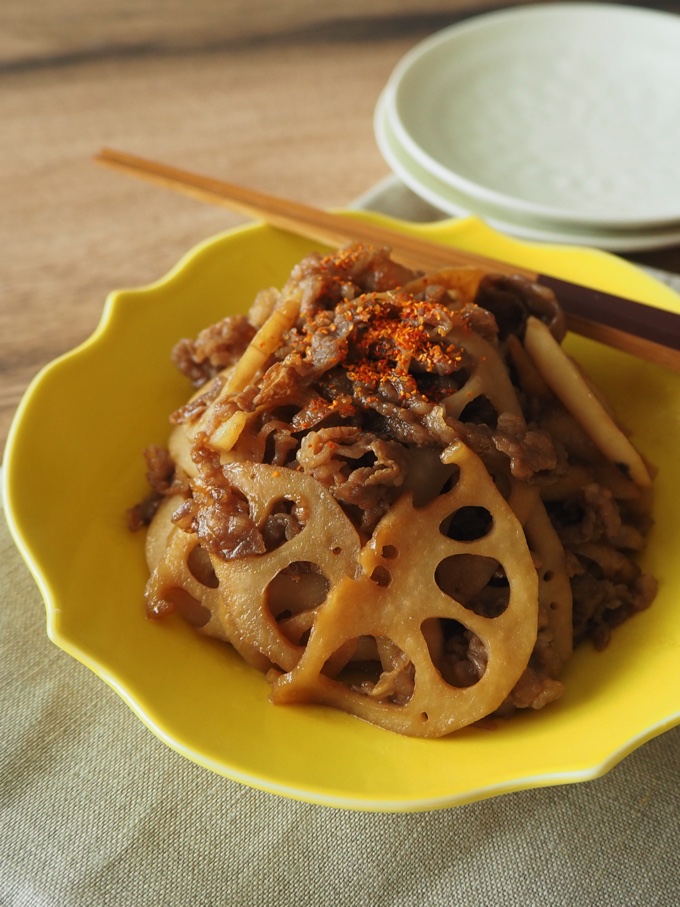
x=394 y=494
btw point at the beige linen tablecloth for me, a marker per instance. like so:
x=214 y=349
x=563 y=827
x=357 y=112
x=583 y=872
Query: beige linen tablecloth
x=96 y=811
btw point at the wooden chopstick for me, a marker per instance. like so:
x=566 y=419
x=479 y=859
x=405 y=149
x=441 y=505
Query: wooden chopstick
x=645 y=331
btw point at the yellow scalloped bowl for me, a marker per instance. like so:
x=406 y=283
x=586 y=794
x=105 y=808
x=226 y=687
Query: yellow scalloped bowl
x=73 y=465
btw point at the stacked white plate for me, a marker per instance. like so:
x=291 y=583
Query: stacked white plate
x=557 y=122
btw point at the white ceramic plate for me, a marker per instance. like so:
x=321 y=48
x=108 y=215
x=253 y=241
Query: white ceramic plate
x=568 y=111
x=450 y=201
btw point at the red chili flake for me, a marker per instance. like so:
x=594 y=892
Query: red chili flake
x=396 y=330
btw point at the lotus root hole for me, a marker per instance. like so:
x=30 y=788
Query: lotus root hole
x=452 y=480
x=458 y=655
x=201 y=568
x=478 y=583
x=480 y=411
x=381 y=576
x=301 y=586
x=375 y=667
x=467 y=524
x=285 y=520
x=356 y=660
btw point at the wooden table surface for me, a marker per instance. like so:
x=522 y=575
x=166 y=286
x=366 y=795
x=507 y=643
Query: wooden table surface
x=276 y=96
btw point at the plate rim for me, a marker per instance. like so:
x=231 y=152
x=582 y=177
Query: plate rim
x=474 y=189
x=447 y=199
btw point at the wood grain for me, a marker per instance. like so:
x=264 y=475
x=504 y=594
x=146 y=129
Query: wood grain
x=55 y=30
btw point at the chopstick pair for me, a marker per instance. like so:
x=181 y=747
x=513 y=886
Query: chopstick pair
x=644 y=331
